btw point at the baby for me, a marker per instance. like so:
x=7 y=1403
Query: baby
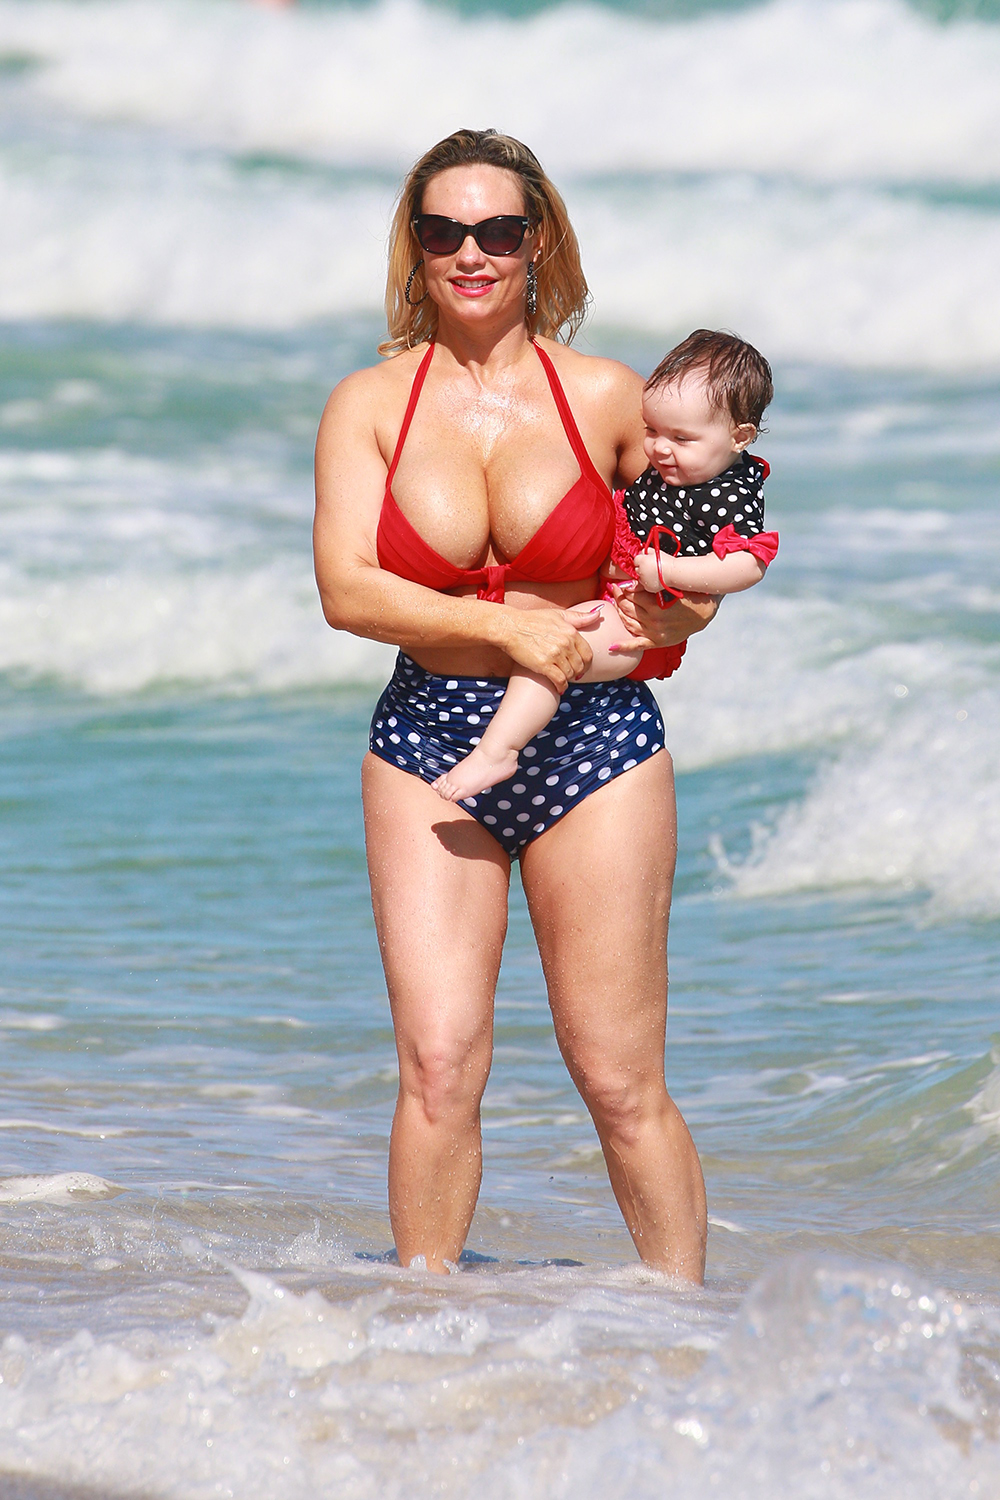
x=695 y=525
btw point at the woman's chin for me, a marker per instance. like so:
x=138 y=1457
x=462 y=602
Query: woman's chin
x=481 y=312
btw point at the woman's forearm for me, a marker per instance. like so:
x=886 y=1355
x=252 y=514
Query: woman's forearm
x=384 y=607
x=381 y=606
x=700 y=575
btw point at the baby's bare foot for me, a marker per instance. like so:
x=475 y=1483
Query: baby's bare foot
x=476 y=773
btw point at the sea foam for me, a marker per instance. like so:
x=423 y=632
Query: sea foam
x=858 y=89
x=260 y=629
x=125 y=573
x=906 y=795
x=847 y=275
x=828 y=1369
x=844 y=1380
x=916 y=807
x=817 y=175
x=59 y=1188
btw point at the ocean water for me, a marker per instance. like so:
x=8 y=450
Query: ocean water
x=197 y=1069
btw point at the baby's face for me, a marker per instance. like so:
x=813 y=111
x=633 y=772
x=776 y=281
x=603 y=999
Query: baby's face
x=688 y=440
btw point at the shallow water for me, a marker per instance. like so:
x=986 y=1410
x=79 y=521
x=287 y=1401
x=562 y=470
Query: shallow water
x=197 y=1070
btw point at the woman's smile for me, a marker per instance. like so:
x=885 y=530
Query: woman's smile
x=472 y=286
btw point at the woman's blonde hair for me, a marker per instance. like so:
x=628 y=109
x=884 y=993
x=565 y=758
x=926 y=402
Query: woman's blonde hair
x=562 y=296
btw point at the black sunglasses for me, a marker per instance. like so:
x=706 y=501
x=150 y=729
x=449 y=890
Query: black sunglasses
x=502 y=235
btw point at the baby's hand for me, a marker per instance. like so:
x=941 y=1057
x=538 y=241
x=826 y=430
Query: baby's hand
x=654 y=573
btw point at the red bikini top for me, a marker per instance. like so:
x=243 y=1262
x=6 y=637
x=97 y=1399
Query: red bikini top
x=571 y=543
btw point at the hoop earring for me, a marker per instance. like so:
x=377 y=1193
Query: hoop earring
x=409 y=283
x=531 y=295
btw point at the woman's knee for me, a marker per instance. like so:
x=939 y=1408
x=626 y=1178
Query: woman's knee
x=621 y=1101
x=445 y=1076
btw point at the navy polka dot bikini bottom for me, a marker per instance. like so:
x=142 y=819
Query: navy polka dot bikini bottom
x=425 y=724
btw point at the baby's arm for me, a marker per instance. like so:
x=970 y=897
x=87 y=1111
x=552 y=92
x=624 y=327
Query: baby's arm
x=699 y=575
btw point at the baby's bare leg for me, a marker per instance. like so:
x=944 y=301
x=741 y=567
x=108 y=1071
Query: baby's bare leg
x=528 y=705
x=525 y=708
x=608 y=631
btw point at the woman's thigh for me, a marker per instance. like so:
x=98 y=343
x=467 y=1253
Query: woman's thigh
x=439 y=893
x=598 y=885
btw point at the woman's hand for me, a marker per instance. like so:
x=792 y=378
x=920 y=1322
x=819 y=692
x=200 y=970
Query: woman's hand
x=547 y=641
x=653 y=626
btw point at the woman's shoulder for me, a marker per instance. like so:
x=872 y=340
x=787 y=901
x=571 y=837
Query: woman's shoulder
x=593 y=378
x=366 y=392
x=604 y=393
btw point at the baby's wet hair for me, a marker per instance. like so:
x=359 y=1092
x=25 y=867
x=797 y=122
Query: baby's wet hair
x=737 y=376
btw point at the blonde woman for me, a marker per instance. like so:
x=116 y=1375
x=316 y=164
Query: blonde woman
x=463 y=508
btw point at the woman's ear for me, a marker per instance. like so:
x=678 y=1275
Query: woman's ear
x=743 y=436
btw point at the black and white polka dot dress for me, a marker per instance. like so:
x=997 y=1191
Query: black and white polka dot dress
x=697 y=513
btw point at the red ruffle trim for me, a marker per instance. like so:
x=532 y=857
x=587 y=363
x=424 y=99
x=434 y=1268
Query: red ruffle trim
x=625 y=545
x=763 y=546
x=660 y=661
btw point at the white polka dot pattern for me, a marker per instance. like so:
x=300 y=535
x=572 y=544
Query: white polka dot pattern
x=695 y=513
x=424 y=723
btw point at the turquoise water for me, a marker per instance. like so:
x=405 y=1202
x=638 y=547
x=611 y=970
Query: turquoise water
x=198 y=1071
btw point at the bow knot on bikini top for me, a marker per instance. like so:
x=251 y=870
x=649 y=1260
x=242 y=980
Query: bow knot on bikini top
x=571 y=543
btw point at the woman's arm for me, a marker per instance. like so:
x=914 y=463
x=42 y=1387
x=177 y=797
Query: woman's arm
x=359 y=596
x=653 y=626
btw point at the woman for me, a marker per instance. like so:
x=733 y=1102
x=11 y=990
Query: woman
x=462 y=488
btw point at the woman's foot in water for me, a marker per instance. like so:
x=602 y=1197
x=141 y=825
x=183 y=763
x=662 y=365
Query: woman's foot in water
x=476 y=773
